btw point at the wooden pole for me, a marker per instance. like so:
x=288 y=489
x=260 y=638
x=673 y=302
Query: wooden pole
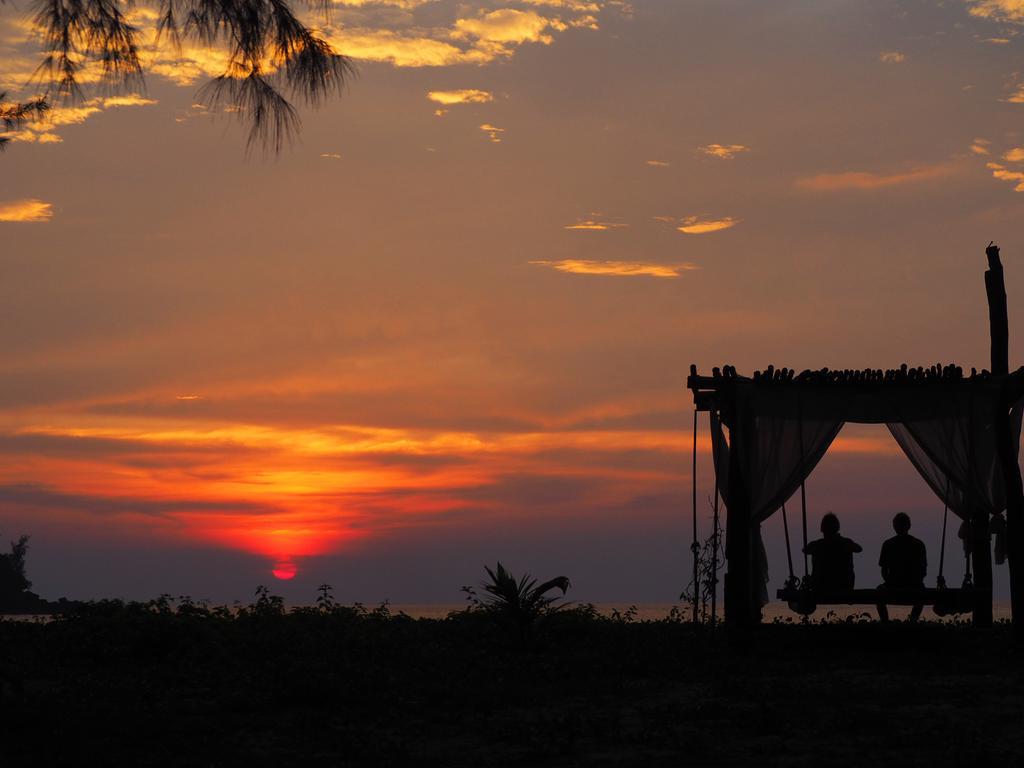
x=995 y=288
x=714 y=559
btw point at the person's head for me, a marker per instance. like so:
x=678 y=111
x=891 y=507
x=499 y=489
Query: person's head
x=901 y=523
x=830 y=524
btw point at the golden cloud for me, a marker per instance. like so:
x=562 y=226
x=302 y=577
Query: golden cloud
x=580 y=6
x=891 y=57
x=1014 y=155
x=406 y=5
x=617 y=268
x=26 y=211
x=492 y=132
x=1017 y=97
x=980 y=146
x=40 y=131
x=657 y=163
x=861 y=180
x=595 y=226
x=30 y=137
x=507 y=25
x=694 y=225
x=998 y=10
x=1001 y=173
x=128 y=100
x=723 y=151
x=416 y=49
x=331 y=155
x=461 y=96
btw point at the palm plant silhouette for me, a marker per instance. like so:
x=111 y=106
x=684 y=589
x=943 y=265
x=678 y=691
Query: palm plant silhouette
x=519 y=603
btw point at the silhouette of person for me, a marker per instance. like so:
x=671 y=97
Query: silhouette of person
x=832 y=557
x=904 y=562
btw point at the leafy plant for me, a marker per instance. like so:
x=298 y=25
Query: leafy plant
x=710 y=556
x=517 y=604
x=522 y=597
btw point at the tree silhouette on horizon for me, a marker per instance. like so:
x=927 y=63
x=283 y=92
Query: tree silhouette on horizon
x=14 y=583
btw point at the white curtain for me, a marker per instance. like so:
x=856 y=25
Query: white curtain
x=957 y=456
x=779 y=454
x=946 y=432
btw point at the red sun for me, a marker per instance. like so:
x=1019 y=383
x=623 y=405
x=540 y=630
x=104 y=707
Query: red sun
x=284 y=571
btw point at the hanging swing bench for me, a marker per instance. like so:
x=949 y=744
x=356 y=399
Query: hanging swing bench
x=769 y=431
x=804 y=598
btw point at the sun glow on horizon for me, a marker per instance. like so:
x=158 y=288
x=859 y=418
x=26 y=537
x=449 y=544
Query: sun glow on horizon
x=284 y=571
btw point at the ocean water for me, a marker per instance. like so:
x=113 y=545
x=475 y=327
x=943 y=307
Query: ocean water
x=656 y=611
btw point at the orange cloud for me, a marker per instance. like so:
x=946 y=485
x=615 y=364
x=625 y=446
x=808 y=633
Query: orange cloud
x=617 y=268
x=861 y=180
x=492 y=132
x=723 y=151
x=507 y=25
x=582 y=6
x=1014 y=155
x=595 y=226
x=695 y=225
x=128 y=100
x=998 y=10
x=461 y=96
x=1001 y=173
x=891 y=57
x=657 y=163
x=26 y=211
x=40 y=131
x=980 y=146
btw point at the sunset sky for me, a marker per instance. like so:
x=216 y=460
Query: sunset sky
x=452 y=323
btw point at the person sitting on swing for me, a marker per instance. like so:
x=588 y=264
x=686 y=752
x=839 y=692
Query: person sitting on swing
x=832 y=558
x=904 y=562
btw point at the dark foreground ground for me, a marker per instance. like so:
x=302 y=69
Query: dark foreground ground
x=158 y=685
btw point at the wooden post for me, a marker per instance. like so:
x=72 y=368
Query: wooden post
x=981 y=556
x=739 y=549
x=995 y=288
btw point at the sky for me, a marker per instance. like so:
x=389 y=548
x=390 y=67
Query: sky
x=451 y=324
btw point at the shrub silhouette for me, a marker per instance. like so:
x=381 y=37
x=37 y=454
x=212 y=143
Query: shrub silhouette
x=518 y=603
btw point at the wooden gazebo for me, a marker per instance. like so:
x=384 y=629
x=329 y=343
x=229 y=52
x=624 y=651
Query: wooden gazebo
x=961 y=431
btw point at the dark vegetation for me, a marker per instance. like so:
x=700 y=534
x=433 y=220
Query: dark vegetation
x=176 y=682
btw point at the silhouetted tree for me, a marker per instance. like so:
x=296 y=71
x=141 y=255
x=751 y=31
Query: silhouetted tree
x=273 y=56
x=13 y=581
x=13 y=115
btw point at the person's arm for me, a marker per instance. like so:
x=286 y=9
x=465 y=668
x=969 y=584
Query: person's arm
x=855 y=547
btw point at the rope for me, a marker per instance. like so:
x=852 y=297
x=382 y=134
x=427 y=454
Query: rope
x=803 y=491
x=940 y=581
x=789 y=551
x=803 y=513
x=695 y=546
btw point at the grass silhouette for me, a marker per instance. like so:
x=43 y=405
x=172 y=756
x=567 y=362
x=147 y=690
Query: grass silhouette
x=178 y=682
